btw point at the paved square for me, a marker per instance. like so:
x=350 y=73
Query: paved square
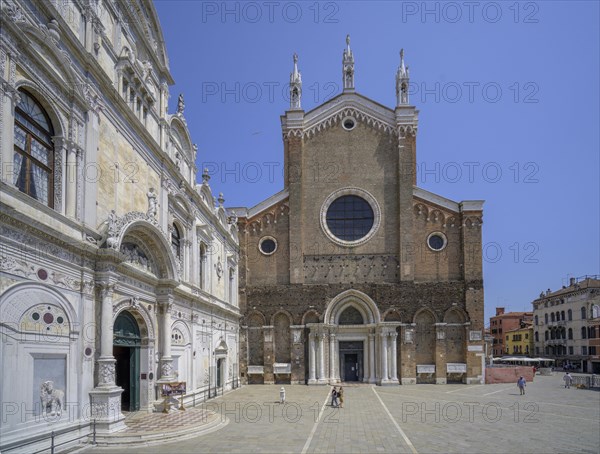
x=423 y=419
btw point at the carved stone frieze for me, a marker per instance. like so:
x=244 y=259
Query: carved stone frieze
x=116 y=225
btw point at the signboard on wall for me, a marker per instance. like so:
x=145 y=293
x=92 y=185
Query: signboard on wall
x=425 y=368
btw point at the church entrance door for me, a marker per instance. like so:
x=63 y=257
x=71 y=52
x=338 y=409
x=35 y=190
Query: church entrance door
x=126 y=350
x=351 y=367
x=351 y=359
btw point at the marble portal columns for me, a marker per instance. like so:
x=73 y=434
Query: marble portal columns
x=165 y=301
x=106 y=396
x=388 y=354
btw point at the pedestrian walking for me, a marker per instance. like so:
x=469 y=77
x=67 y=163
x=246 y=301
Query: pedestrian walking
x=341 y=396
x=334 y=397
x=521 y=383
x=568 y=380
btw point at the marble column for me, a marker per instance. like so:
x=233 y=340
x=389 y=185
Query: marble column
x=165 y=301
x=372 y=377
x=394 y=355
x=9 y=98
x=332 y=357
x=336 y=367
x=59 y=172
x=384 y=358
x=106 y=362
x=321 y=356
x=71 y=186
x=312 y=379
x=79 y=183
x=106 y=396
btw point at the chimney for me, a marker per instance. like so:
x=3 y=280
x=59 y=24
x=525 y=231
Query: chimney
x=547 y=292
x=572 y=281
x=499 y=311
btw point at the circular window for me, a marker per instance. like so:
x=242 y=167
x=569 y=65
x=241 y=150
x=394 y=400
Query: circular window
x=350 y=216
x=267 y=245
x=348 y=123
x=436 y=241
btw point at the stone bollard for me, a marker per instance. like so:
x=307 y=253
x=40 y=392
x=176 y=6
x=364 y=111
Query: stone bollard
x=282 y=395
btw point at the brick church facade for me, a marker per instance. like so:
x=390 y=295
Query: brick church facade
x=352 y=272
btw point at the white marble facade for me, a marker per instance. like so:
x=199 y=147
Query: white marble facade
x=102 y=220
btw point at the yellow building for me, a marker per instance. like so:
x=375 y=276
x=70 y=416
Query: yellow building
x=519 y=341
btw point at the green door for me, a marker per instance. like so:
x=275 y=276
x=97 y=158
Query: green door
x=126 y=350
x=134 y=381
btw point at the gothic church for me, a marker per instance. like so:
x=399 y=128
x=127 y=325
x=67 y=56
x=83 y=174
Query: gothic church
x=352 y=273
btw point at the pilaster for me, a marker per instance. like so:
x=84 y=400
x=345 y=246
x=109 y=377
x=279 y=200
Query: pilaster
x=408 y=365
x=269 y=355
x=440 y=354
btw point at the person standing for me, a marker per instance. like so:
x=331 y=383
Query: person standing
x=568 y=380
x=334 y=397
x=521 y=383
x=341 y=396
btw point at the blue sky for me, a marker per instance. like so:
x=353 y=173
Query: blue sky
x=509 y=102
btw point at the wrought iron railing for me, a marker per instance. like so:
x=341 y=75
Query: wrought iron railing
x=52 y=438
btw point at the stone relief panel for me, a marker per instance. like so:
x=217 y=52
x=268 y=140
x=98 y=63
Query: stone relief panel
x=49 y=383
x=351 y=268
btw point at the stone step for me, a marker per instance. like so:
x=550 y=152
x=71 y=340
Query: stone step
x=127 y=438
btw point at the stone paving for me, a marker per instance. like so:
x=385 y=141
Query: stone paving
x=400 y=419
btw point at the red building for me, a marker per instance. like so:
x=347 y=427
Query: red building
x=503 y=322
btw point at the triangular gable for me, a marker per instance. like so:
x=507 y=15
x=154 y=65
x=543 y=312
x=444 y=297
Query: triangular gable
x=346 y=104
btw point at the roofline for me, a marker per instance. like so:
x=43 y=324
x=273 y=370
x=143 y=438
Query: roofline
x=260 y=207
x=458 y=207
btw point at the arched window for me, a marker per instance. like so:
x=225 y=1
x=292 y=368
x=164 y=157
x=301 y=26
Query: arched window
x=537 y=337
x=176 y=241
x=562 y=315
x=536 y=320
x=595 y=311
x=583 y=313
x=570 y=333
x=34 y=152
x=546 y=318
x=552 y=316
x=583 y=332
x=546 y=335
x=570 y=315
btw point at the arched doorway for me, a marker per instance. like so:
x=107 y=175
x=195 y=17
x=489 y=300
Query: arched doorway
x=425 y=347
x=351 y=352
x=126 y=350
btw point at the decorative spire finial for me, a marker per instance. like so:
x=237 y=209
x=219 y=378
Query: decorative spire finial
x=180 y=104
x=205 y=176
x=402 y=82
x=295 y=87
x=221 y=199
x=348 y=66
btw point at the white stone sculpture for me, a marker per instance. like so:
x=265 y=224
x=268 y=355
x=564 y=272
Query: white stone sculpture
x=52 y=399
